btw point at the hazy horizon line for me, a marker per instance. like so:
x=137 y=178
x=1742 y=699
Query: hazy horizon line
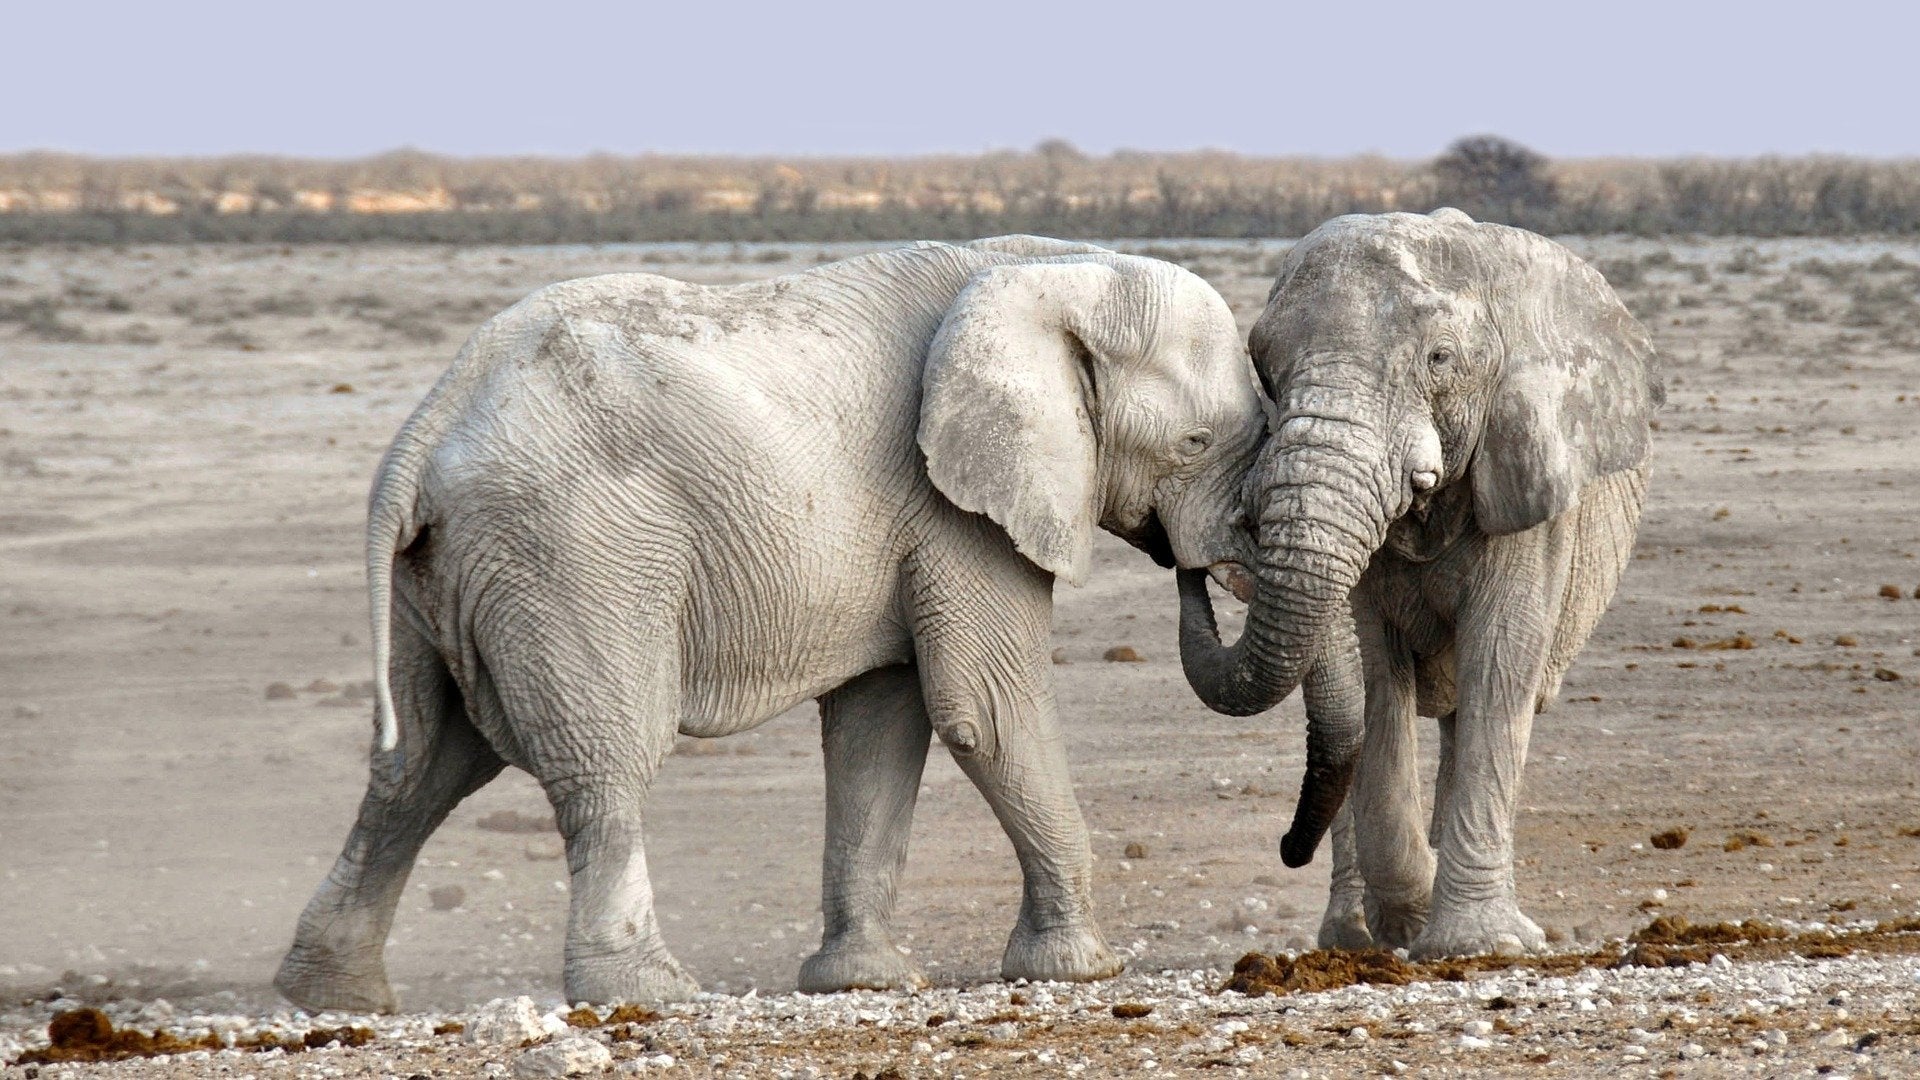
x=1072 y=151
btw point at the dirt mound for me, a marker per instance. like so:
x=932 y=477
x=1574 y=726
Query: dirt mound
x=1676 y=930
x=1322 y=969
x=88 y=1035
x=1667 y=941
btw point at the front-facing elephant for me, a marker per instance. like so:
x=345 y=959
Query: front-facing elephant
x=1444 y=510
x=637 y=507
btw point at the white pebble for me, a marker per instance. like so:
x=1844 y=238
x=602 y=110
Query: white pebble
x=574 y=1056
x=506 y=1022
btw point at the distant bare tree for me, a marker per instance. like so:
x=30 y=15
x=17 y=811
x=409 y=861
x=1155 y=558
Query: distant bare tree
x=1495 y=178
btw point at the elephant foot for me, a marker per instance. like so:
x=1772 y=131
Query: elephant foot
x=858 y=964
x=644 y=979
x=1493 y=926
x=1072 y=953
x=1344 y=926
x=319 y=980
x=1396 y=921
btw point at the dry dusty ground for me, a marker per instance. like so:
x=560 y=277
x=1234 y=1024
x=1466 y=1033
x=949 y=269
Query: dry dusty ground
x=186 y=435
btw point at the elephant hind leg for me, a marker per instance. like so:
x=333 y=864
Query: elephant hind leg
x=1344 y=926
x=336 y=958
x=593 y=734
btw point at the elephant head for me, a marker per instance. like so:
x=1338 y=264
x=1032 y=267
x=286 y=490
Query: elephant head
x=1410 y=356
x=1076 y=391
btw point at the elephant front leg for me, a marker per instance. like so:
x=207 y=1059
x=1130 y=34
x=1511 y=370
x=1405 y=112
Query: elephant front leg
x=1389 y=834
x=875 y=732
x=1019 y=763
x=1475 y=909
x=989 y=693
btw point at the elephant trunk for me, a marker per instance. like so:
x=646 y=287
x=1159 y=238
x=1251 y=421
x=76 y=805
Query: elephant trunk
x=1323 y=514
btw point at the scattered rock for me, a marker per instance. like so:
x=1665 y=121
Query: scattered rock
x=506 y=1022
x=571 y=1056
x=323 y=686
x=1060 y=657
x=1136 y=850
x=1670 y=839
x=446 y=897
x=1886 y=674
x=1891 y=592
x=1846 y=641
x=1123 y=654
x=341 y=388
x=1656 y=956
x=279 y=692
x=1131 y=1010
x=1741 y=840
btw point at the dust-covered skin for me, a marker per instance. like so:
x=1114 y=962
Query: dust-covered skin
x=1449 y=497
x=184 y=500
x=636 y=507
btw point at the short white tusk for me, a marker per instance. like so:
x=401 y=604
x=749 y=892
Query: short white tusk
x=1424 y=481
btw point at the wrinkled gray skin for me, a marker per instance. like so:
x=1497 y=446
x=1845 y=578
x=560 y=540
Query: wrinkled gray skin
x=1443 y=511
x=636 y=508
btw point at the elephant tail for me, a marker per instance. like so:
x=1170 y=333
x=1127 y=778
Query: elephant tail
x=396 y=517
x=394 y=522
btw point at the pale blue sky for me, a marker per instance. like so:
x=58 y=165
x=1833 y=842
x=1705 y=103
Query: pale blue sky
x=1331 y=78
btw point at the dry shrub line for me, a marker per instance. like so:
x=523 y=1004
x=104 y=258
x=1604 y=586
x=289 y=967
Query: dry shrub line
x=1053 y=189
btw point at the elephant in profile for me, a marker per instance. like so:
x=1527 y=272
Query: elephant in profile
x=636 y=508
x=1444 y=509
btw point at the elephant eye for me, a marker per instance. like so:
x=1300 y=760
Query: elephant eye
x=1196 y=443
x=1440 y=355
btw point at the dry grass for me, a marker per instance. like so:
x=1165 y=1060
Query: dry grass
x=409 y=195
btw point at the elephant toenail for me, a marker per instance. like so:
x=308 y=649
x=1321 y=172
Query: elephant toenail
x=1424 y=481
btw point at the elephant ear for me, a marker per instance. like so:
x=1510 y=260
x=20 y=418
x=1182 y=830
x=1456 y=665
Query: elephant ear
x=1576 y=392
x=1007 y=402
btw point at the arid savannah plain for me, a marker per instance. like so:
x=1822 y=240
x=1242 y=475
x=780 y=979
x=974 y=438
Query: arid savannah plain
x=187 y=432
